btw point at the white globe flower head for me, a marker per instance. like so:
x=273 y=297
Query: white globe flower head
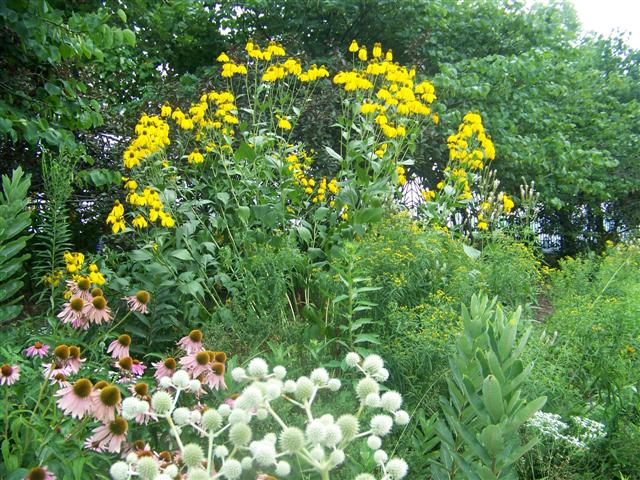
x=391 y=401
x=317 y=453
x=352 y=359
x=142 y=407
x=365 y=387
x=130 y=407
x=262 y=414
x=250 y=398
x=380 y=457
x=238 y=415
x=373 y=364
x=198 y=474
x=334 y=384
x=349 y=426
x=333 y=436
x=319 y=376
x=402 y=417
x=374 y=442
x=161 y=402
x=273 y=389
x=381 y=425
x=397 y=468
x=181 y=416
x=372 y=400
x=280 y=372
x=131 y=457
x=304 y=388
x=258 y=368
x=181 y=379
x=194 y=385
x=283 y=468
x=224 y=410
x=365 y=476
x=192 y=455
x=247 y=463
x=327 y=419
x=238 y=374
x=336 y=457
x=221 y=451
x=264 y=454
x=163 y=476
x=290 y=386
x=232 y=469
x=271 y=438
x=291 y=440
x=211 y=420
x=196 y=416
x=240 y=434
x=147 y=468
x=316 y=431
x=172 y=471
x=382 y=375
x=165 y=382
x=119 y=471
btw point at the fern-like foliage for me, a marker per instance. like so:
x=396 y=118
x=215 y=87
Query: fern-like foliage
x=53 y=236
x=15 y=218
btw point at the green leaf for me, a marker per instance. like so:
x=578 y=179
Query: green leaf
x=129 y=37
x=243 y=213
x=471 y=252
x=122 y=15
x=333 y=154
x=304 y=233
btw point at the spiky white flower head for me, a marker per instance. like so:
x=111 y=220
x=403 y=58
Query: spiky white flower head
x=211 y=420
x=264 y=454
x=327 y=419
x=397 y=468
x=336 y=457
x=232 y=469
x=171 y=470
x=240 y=434
x=247 y=463
x=181 y=416
x=391 y=401
x=283 y=468
x=334 y=384
x=238 y=374
x=262 y=414
x=402 y=417
x=181 y=379
x=372 y=400
x=196 y=416
x=374 y=442
x=271 y=438
x=365 y=476
x=198 y=474
x=119 y=471
x=317 y=453
x=221 y=451
x=352 y=359
x=381 y=425
x=382 y=375
x=194 y=385
x=373 y=364
x=132 y=457
x=380 y=457
x=163 y=476
x=224 y=410
x=319 y=376
x=366 y=386
x=291 y=440
x=165 y=382
x=147 y=468
x=161 y=402
x=349 y=426
x=280 y=372
x=239 y=415
x=250 y=398
x=142 y=407
x=316 y=431
x=304 y=388
x=258 y=368
x=129 y=407
x=290 y=386
x=334 y=435
x=273 y=389
x=192 y=455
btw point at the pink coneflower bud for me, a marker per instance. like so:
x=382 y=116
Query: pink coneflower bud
x=9 y=374
x=109 y=437
x=119 y=348
x=139 y=301
x=196 y=364
x=76 y=400
x=165 y=368
x=37 y=348
x=75 y=362
x=106 y=401
x=97 y=311
x=40 y=473
x=192 y=343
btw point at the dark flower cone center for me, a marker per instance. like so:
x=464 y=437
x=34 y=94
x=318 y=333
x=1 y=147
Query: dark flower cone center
x=110 y=396
x=119 y=426
x=170 y=363
x=124 y=340
x=37 y=473
x=97 y=292
x=202 y=358
x=143 y=296
x=62 y=352
x=218 y=368
x=195 y=335
x=84 y=284
x=38 y=345
x=7 y=370
x=99 y=303
x=74 y=352
x=100 y=385
x=125 y=363
x=76 y=304
x=82 y=388
x=220 y=357
x=141 y=389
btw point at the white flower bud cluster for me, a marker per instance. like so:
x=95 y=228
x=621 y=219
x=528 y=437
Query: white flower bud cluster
x=305 y=440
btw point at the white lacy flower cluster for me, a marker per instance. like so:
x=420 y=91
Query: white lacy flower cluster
x=311 y=442
x=551 y=425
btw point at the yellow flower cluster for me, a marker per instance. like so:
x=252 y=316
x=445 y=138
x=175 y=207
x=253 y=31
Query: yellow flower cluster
x=402 y=179
x=116 y=218
x=152 y=135
x=75 y=262
x=471 y=133
x=507 y=203
x=311 y=186
x=149 y=198
x=52 y=279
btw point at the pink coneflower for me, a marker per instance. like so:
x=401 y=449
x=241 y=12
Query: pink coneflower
x=196 y=364
x=40 y=473
x=73 y=313
x=108 y=437
x=9 y=374
x=138 y=367
x=76 y=400
x=106 y=401
x=74 y=361
x=192 y=343
x=97 y=311
x=139 y=301
x=165 y=368
x=119 y=348
x=37 y=348
x=215 y=379
x=55 y=368
x=81 y=289
x=60 y=380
